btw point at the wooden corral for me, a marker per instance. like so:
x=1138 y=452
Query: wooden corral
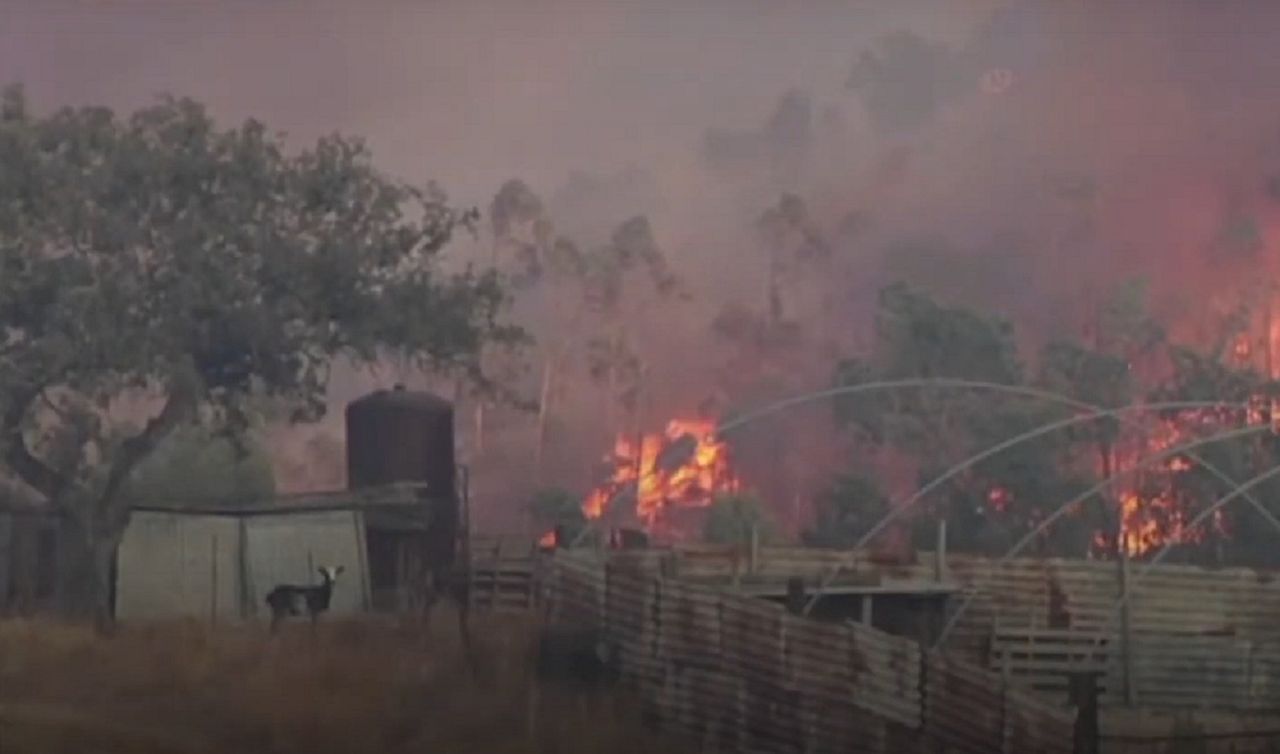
x=501 y=572
x=1191 y=639
x=740 y=673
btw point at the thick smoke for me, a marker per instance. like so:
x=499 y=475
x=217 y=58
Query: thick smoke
x=1021 y=156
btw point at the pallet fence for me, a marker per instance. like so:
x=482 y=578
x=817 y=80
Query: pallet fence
x=1197 y=639
x=742 y=674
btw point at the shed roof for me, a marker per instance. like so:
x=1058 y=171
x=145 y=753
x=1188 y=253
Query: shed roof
x=403 y=494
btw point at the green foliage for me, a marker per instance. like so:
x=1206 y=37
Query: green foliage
x=990 y=503
x=193 y=466
x=733 y=517
x=918 y=338
x=845 y=511
x=1088 y=376
x=551 y=507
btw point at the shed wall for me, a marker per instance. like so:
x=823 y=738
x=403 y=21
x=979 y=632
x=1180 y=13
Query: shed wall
x=6 y=556
x=287 y=549
x=173 y=566
x=213 y=567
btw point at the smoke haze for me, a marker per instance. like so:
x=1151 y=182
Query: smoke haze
x=1018 y=155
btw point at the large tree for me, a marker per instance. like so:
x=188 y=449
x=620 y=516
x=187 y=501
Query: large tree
x=991 y=503
x=158 y=264
x=1105 y=368
x=1239 y=533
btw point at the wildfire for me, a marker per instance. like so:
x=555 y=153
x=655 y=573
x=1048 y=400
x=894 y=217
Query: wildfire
x=998 y=498
x=1151 y=514
x=684 y=466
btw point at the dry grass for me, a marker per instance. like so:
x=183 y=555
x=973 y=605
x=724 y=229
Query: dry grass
x=354 y=686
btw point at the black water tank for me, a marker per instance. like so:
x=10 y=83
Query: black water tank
x=401 y=436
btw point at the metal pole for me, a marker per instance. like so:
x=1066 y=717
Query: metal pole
x=1084 y=696
x=213 y=592
x=753 y=555
x=940 y=557
x=1126 y=636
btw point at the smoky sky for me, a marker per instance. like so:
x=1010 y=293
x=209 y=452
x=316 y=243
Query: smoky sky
x=468 y=93
x=1131 y=138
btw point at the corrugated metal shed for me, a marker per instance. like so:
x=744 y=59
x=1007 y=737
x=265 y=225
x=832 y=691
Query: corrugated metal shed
x=289 y=549
x=220 y=566
x=179 y=566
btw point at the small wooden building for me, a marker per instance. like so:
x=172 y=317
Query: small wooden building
x=219 y=564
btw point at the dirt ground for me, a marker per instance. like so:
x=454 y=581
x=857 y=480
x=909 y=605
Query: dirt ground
x=353 y=686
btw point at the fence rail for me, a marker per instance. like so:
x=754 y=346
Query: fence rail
x=1198 y=638
x=741 y=674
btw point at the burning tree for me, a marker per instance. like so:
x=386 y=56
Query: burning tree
x=997 y=500
x=1001 y=498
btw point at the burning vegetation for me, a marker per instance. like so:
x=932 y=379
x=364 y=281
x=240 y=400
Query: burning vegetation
x=654 y=475
x=1151 y=270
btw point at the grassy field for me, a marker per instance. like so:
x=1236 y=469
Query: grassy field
x=355 y=686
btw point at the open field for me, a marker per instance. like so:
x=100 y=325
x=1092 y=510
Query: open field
x=355 y=686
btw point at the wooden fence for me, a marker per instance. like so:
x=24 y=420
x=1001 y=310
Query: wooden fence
x=742 y=674
x=1193 y=638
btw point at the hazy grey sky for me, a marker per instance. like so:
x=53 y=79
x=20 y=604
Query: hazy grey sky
x=468 y=93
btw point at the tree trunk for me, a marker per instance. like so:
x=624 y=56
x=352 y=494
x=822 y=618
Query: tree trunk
x=1110 y=512
x=86 y=573
x=544 y=413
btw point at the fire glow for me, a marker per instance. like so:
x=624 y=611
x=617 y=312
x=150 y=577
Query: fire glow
x=1153 y=518
x=683 y=467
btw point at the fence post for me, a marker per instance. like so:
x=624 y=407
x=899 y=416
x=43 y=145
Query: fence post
x=213 y=578
x=926 y=725
x=1126 y=630
x=1250 y=692
x=1004 y=705
x=940 y=557
x=244 y=585
x=795 y=595
x=1084 y=695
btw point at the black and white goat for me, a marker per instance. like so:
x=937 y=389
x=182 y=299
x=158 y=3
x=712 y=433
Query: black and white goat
x=289 y=600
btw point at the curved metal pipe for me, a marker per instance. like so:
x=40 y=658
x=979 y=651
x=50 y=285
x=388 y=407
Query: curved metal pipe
x=899 y=509
x=1067 y=506
x=1240 y=489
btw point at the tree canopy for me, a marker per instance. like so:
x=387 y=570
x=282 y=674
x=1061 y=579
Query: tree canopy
x=157 y=264
x=195 y=467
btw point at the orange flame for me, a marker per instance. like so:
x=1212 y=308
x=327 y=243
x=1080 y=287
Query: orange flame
x=685 y=466
x=1149 y=520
